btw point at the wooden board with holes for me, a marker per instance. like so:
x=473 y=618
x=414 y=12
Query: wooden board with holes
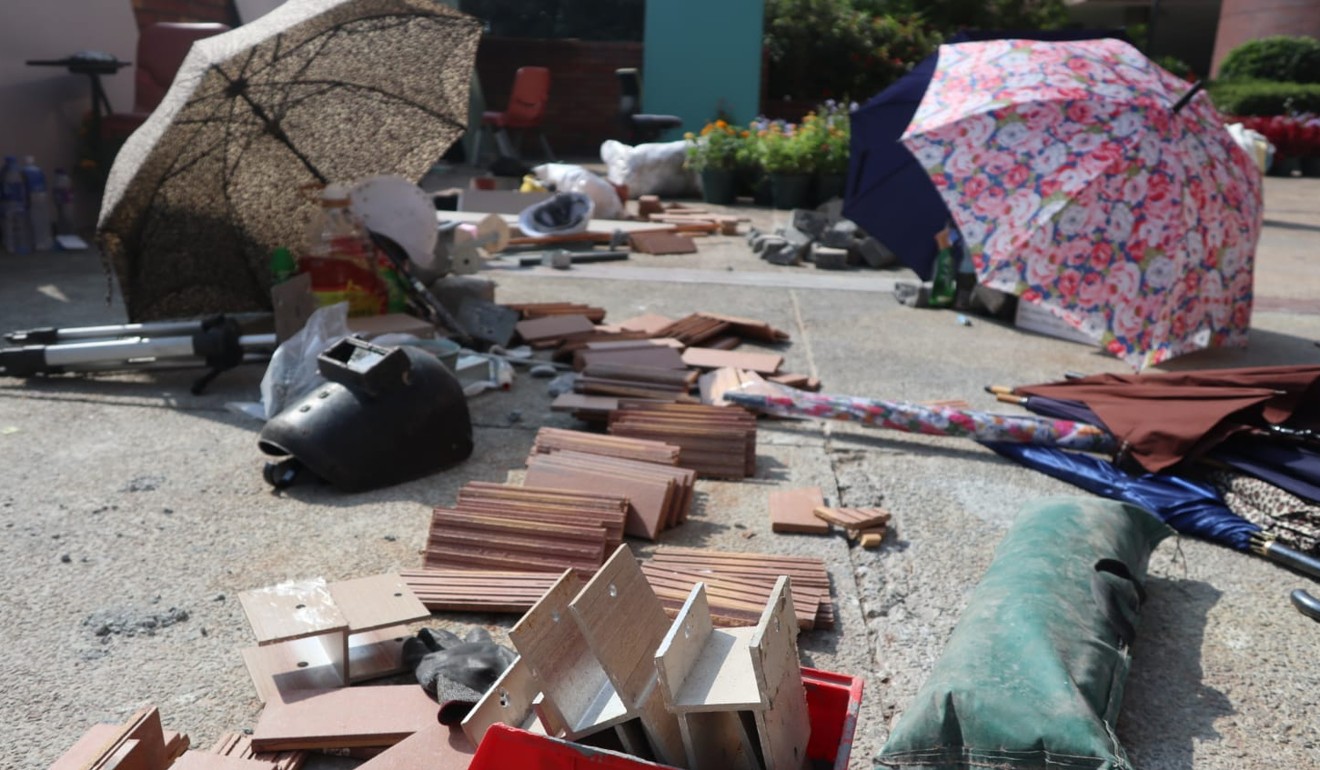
x=783 y=725
x=623 y=624
x=854 y=518
x=577 y=692
x=292 y=610
x=378 y=601
x=792 y=510
x=348 y=717
x=508 y=701
x=711 y=358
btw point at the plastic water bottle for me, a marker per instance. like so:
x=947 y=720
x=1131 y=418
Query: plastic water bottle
x=13 y=208
x=61 y=190
x=38 y=203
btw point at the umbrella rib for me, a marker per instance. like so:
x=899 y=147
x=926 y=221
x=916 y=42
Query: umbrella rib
x=273 y=127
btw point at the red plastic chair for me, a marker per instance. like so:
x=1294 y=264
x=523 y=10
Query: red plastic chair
x=161 y=49
x=526 y=108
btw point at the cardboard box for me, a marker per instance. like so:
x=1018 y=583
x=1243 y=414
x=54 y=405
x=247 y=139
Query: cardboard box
x=1034 y=318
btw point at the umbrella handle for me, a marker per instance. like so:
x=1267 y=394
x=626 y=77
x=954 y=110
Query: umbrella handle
x=1306 y=604
x=1187 y=97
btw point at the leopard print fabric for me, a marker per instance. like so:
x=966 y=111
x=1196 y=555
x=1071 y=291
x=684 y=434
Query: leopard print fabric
x=1294 y=521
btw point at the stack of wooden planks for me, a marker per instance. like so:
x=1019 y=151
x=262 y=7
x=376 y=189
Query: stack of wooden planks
x=716 y=442
x=659 y=496
x=140 y=743
x=530 y=310
x=549 y=440
x=700 y=328
x=867 y=526
x=636 y=381
x=501 y=527
x=447 y=590
x=239 y=746
x=741 y=578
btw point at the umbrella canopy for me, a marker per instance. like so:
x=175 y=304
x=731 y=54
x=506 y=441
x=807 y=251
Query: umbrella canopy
x=911 y=417
x=1165 y=418
x=888 y=194
x=1190 y=507
x=1084 y=181
x=315 y=91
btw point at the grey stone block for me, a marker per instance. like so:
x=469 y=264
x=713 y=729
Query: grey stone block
x=795 y=236
x=784 y=253
x=813 y=223
x=840 y=235
x=827 y=258
x=875 y=254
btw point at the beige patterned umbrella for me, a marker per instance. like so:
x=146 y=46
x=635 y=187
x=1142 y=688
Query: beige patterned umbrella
x=315 y=91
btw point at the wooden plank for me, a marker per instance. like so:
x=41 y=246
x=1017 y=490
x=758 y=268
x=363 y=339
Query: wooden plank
x=679 y=378
x=201 y=760
x=140 y=742
x=733 y=596
x=655 y=356
x=649 y=499
x=438 y=747
x=711 y=358
x=549 y=440
x=292 y=610
x=854 y=518
x=348 y=717
x=553 y=327
x=648 y=323
x=309 y=663
x=783 y=725
x=236 y=744
x=662 y=243
x=623 y=624
x=378 y=601
x=459 y=539
x=750 y=328
x=578 y=693
x=871 y=538
x=792 y=510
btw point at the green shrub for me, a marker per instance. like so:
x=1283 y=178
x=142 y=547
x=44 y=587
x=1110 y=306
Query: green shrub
x=1279 y=58
x=1257 y=97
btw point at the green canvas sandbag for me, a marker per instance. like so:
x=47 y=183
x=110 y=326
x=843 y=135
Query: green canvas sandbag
x=1033 y=674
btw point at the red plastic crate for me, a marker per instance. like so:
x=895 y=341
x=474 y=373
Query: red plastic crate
x=832 y=702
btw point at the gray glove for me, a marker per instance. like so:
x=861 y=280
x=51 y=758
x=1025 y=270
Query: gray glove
x=439 y=658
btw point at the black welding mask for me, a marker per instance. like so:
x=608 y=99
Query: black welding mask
x=386 y=415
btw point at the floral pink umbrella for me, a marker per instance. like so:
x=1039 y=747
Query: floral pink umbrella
x=1084 y=179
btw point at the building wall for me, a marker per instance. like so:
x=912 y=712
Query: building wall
x=153 y=11
x=584 y=91
x=1243 y=20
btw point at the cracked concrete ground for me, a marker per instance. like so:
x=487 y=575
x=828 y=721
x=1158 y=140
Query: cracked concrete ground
x=127 y=503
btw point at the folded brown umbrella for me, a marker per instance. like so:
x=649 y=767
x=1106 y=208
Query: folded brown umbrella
x=1165 y=418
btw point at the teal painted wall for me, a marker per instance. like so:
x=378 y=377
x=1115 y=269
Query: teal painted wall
x=699 y=52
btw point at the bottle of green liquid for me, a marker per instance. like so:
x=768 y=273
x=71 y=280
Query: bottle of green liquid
x=282 y=265
x=944 y=281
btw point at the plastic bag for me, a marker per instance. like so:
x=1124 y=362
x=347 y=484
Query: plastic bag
x=292 y=371
x=1254 y=143
x=566 y=177
x=650 y=169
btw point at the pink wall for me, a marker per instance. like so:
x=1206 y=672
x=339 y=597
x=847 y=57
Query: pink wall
x=1243 y=20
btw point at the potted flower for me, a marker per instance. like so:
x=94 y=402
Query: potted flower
x=789 y=158
x=831 y=132
x=714 y=156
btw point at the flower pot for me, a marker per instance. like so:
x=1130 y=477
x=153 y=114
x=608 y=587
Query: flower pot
x=718 y=185
x=790 y=191
x=1285 y=166
x=829 y=186
x=1311 y=166
x=762 y=195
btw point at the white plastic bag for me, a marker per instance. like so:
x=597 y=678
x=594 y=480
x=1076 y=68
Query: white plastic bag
x=650 y=169
x=566 y=177
x=1257 y=147
x=292 y=371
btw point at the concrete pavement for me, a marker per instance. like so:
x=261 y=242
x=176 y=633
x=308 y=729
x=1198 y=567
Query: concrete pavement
x=124 y=497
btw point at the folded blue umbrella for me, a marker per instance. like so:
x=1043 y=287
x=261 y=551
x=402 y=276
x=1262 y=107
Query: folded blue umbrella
x=1188 y=506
